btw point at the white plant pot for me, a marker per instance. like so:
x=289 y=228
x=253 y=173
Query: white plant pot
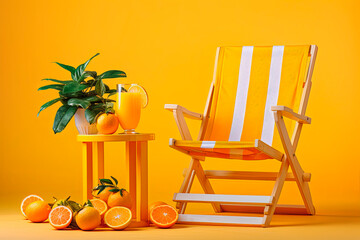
x=82 y=125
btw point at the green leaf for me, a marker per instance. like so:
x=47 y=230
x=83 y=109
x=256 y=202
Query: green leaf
x=111 y=92
x=104 y=180
x=48 y=104
x=93 y=99
x=92 y=114
x=109 y=104
x=58 y=81
x=100 y=88
x=101 y=189
x=73 y=87
x=92 y=74
x=88 y=204
x=112 y=74
x=79 y=72
x=121 y=191
x=71 y=95
x=67 y=67
x=73 y=225
x=115 y=180
x=74 y=206
x=52 y=86
x=79 y=102
x=114 y=190
x=63 y=116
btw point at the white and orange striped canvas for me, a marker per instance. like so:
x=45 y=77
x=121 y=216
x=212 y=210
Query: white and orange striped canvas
x=249 y=80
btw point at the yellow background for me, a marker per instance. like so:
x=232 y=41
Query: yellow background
x=169 y=48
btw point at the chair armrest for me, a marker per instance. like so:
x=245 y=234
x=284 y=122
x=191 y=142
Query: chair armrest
x=186 y=113
x=289 y=113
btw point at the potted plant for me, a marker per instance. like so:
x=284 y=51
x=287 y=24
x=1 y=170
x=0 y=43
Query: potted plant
x=86 y=96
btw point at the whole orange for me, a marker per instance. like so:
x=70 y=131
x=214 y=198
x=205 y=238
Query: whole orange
x=115 y=199
x=107 y=123
x=88 y=218
x=104 y=195
x=37 y=211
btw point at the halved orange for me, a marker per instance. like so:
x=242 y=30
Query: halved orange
x=164 y=216
x=144 y=96
x=29 y=199
x=99 y=205
x=60 y=217
x=155 y=204
x=118 y=218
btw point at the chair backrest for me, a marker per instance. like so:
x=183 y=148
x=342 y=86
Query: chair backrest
x=247 y=82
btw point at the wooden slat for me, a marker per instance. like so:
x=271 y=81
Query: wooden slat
x=222 y=198
x=244 y=175
x=209 y=100
x=280 y=209
x=294 y=163
x=187 y=113
x=205 y=184
x=279 y=183
x=187 y=190
x=268 y=150
x=186 y=184
x=182 y=126
x=131 y=170
x=219 y=219
x=87 y=168
x=98 y=162
x=288 y=112
x=142 y=179
x=266 y=176
x=116 y=137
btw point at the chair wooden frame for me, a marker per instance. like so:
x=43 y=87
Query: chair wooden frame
x=246 y=204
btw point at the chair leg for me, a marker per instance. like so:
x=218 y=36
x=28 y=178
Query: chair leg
x=302 y=185
x=294 y=163
x=279 y=183
x=205 y=184
x=186 y=184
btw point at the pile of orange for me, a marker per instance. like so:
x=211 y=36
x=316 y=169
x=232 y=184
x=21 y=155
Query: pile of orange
x=110 y=207
x=114 y=208
x=89 y=217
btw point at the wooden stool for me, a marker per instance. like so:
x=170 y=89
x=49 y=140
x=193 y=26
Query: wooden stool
x=137 y=165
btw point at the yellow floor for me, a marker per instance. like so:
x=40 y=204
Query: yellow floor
x=13 y=226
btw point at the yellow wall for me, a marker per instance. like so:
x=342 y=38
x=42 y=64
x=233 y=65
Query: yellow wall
x=169 y=48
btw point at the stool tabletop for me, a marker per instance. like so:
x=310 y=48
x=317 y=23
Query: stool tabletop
x=116 y=137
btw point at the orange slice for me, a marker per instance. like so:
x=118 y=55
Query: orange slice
x=60 y=217
x=144 y=96
x=99 y=205
x=164 y=216
x=29 y=199
x=118 y=218
x=155 y=204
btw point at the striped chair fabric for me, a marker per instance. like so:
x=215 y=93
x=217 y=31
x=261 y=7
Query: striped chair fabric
x=249 y=81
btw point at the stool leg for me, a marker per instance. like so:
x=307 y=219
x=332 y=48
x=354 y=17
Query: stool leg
x=142 y=178
x=87 y=170
x=98 y=161
x=131 y=169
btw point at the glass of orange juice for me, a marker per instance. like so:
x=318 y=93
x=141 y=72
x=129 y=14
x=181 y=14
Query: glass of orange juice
x=130 y=99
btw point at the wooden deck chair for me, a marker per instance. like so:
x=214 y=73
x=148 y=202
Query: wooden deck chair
x=253 y=90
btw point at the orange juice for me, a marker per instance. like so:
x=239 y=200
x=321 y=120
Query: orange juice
x=128 y=108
